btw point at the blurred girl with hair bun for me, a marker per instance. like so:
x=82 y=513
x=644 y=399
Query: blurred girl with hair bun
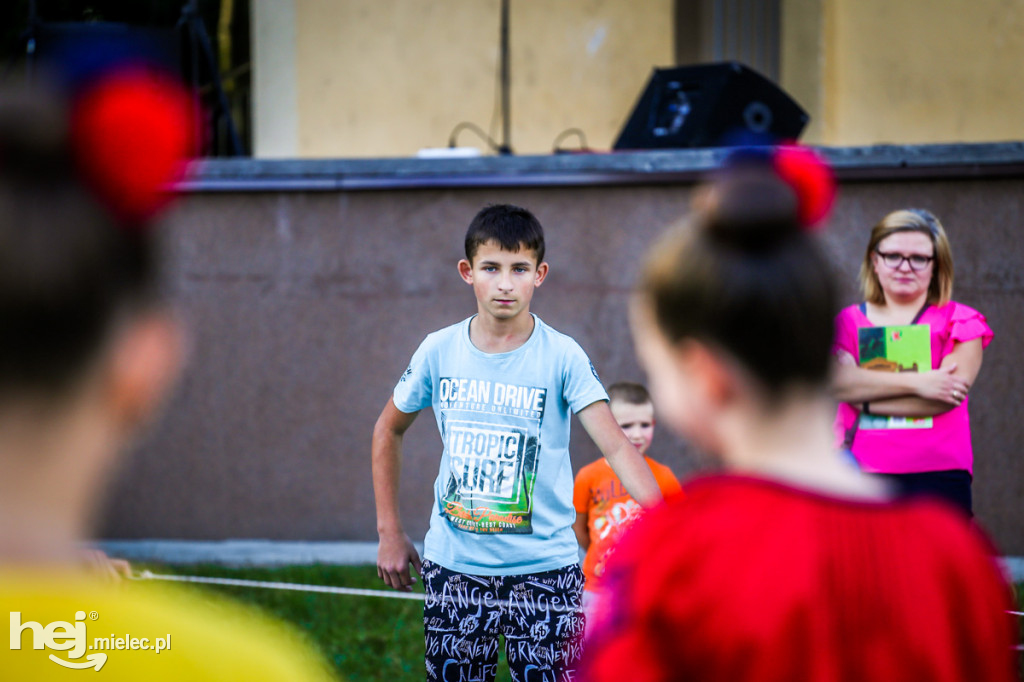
x=88 y=352
x=792 y=564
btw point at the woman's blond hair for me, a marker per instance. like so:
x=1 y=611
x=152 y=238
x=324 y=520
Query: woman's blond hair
x=940 y=289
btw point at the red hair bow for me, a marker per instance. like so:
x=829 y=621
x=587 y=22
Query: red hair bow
x=811 y=179
x=132 y=132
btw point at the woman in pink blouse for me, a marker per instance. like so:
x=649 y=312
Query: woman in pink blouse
x=907 y=278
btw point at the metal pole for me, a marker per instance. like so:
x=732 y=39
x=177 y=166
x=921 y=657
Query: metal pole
x=506 y=121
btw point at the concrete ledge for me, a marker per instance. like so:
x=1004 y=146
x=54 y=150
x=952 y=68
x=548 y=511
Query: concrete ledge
x=1014 y=567
x=244 y=552
x=274 y=553
x=896 y=162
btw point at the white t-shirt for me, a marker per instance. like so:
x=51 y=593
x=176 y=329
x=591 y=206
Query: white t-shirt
x=503 y=493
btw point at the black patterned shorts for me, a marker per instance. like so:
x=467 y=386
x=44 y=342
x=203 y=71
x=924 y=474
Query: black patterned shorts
x=539 y=615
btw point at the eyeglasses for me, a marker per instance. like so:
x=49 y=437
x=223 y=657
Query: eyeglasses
x=895 y=260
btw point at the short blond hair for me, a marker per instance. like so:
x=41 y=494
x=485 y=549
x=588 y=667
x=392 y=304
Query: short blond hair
x=629 y=393
x=940 y=289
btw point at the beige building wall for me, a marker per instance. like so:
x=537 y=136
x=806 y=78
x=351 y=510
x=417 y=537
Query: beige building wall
x=376 y=78
x=922 y=71
x=802 y=60
x=373 y=78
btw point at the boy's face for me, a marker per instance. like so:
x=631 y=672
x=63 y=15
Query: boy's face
x=636 y=421
x=503 y=281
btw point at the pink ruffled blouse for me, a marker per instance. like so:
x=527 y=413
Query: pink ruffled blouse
x=947 y=444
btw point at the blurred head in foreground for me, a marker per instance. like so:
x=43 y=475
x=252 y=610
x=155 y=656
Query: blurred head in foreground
x=733 y=321
x=87 y=351
x=86 y=348
x=735 y=306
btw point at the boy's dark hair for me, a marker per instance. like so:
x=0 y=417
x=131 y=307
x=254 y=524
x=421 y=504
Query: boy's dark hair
x=514 y=228
x=67 y=267
x=629 y=392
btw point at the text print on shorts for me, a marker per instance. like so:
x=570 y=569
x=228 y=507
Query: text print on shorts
x=539 y=615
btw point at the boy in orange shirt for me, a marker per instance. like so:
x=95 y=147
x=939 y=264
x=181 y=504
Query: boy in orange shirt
x=603 y=507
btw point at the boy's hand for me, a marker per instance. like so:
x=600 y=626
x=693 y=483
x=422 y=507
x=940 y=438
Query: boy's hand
x=579 y=527
x=101 y=566
x=395 y=551
x=394 y=554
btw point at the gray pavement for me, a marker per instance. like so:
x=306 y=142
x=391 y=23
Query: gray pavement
x=244 y=552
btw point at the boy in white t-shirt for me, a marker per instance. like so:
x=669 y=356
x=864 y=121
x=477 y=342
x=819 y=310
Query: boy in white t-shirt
x=500 y=556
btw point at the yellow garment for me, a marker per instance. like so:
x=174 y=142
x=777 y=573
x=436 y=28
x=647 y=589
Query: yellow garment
x=79 y=623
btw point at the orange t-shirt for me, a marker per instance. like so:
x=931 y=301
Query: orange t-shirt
x=599 y=493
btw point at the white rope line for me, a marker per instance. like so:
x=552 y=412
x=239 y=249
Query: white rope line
x=358 y=592
x=298 y=587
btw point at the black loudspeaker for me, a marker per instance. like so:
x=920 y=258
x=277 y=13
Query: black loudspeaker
x=711 y=105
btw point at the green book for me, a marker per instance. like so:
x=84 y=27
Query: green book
x=904 y=348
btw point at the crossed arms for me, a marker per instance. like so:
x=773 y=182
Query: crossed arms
x=909 y=394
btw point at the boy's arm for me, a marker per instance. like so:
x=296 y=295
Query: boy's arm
x=395 y=551
x=627 y=463
x=579 y=526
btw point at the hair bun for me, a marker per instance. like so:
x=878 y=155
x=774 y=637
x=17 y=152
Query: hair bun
x=33 y=135
x=749 y=208
x=764 y=195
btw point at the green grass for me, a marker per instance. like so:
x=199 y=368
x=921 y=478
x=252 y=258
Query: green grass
x=366 y=638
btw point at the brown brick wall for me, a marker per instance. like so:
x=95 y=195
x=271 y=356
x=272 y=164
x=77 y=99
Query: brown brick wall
x=304 y=308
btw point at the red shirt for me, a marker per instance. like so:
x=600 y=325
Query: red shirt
x=754 y=581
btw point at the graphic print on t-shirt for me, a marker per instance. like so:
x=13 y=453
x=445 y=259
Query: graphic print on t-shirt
x=491 y=434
